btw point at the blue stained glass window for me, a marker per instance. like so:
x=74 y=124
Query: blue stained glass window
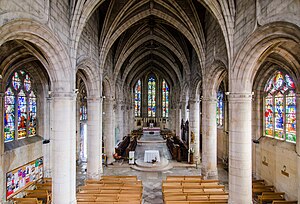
x=20 y=104
x=151 y=97
x=220 y=106
x=9 y=116
x=32 y=114
x=137 y=98
x=22 y=114
x=280 y=108
x=165 y=99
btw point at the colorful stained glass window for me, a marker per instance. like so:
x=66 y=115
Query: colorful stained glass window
x=9 y=116
x=27 y=83
x=20 y=104
x=280 y=108
x=279 y=114
x=165 y=99
x=290 y=114
x=16 y=81
x=220 y=106
x=151 y=97
x=269 y=116
x=32 y=114
x=83 y=112
x=22 y=114
x=137 y=98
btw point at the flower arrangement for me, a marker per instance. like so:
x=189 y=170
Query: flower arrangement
x=191 y=150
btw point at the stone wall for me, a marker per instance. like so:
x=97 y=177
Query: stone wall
x=273 y=156
x=215 y=43
x=88 y=43
x=15 y=158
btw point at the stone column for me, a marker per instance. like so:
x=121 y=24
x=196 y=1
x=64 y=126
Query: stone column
x=78 y=136
x=108 y=130
x=240 y=148
x=298 y=141
x=183 y=111
x=194 y=128
x=47 y=135
x=178 y=120
x=2 y=156
x=120 y=120
x=94 y=140
x=63 y=145
x=209 y=140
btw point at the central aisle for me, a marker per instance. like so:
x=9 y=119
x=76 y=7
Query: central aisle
x=152 y=142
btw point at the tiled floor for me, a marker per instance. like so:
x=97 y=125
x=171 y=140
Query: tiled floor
x=151 y=180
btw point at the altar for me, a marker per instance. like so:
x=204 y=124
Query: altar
x=151 y=155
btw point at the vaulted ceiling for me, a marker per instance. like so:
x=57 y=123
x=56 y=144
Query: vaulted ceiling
x=152 y=35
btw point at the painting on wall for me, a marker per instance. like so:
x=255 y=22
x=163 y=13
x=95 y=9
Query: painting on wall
x=23 y=176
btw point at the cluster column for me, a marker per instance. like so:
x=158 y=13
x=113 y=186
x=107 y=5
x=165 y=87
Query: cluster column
x=240 y=148
x=178 y=120
x=209 y=134
x=94 y=140
x=109 y=136
x=63 y=144
x=194 y=127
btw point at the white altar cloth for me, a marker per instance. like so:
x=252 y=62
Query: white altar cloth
x=150 y=155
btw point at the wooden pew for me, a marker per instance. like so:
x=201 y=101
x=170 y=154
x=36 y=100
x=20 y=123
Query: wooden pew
x=27 y=201
x=39 y=194
x=284 y=202
x=270 y=196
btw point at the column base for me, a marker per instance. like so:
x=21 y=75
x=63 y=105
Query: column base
x=209 y=173
x=93 y=176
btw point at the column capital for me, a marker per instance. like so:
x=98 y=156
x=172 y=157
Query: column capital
x=209 y=99
x=243 y=96
x=95 y=99
x=64 y=95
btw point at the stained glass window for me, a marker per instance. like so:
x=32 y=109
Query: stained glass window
x=165 y=99
x=9 y=116
x=32 y=114
x=83 y=105
x=220 y=105
x=151 y=97
x=290 y=116
x=137 y=98
x=83 y=112
x=280 y=108
x=20 y=104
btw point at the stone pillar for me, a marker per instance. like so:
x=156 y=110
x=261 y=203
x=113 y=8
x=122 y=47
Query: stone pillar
x=2 y=156
x=94 y=139
x=78 y=136
x=120 y=119
x=183 y=111
x=194 y=128
x=63 y=145
x=108 y=130
x=209 y=140
x=47 y=135
x=298 y=141
x=240 y=148
x=178 y=120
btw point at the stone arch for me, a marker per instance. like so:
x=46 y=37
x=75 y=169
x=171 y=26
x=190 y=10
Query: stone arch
x=91 y=76
x=213 y=78
x=58 y=64
x=257 y=48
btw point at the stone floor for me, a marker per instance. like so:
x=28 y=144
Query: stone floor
x=151 y=180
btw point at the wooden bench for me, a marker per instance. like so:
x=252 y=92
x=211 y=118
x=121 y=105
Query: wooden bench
x=39 y=194
x=27 y=201
x=270 y=197
x=284 y=202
